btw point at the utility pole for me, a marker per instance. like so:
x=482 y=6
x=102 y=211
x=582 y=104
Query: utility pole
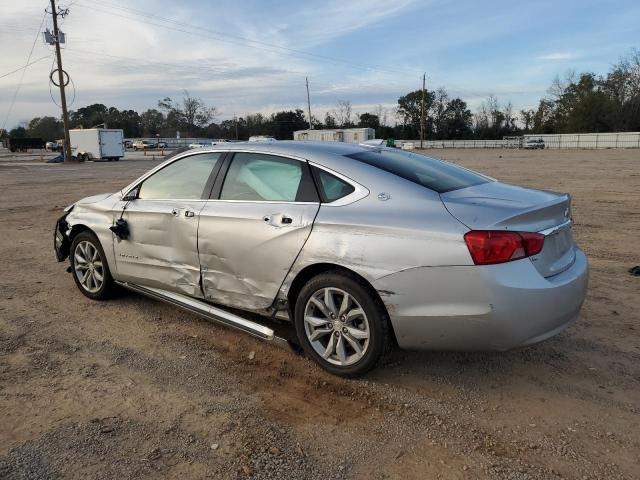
x=63 y=97
x=309 y=104
x=235 y=121
x=422 y=112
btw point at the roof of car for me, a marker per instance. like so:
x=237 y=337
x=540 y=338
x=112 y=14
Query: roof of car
x=295 y=148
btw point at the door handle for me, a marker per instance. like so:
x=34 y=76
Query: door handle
x=277 y=219
x=187 y=213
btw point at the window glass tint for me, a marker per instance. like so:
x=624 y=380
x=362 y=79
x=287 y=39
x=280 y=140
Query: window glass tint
x=253 y=176
x=332 y=187
x=183 y=179
x=428 y=172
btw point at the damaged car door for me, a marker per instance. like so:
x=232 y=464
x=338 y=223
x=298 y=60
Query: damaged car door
x=162 y=218
x=260 y=214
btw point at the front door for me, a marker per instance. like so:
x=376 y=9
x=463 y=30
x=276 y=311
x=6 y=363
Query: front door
x=252 y=231
x=161 y=250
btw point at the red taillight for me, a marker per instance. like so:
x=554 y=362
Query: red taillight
x=533 y=242
x=489 y=246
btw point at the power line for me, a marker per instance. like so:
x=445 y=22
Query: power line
x=24 y=66
x=98 y=58
x=24 y=69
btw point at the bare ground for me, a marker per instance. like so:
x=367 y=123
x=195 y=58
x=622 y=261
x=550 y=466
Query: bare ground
x=132 y=388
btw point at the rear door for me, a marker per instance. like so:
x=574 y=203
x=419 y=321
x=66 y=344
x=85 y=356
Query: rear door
x=111 y=143
x=161 y=250
x=251 y=231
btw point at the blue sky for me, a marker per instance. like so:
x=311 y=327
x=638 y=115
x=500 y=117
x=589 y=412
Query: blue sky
x=250 y=56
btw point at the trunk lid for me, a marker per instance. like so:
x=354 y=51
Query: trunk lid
x=499 y=206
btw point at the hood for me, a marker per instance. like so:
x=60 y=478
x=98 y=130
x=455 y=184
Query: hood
x=93 y=199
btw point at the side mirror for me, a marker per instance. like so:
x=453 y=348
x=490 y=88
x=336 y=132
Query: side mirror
x=132 y=194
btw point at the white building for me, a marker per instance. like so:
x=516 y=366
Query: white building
x=347 y=135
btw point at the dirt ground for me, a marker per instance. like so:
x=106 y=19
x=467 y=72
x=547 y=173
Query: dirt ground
x=132 y=388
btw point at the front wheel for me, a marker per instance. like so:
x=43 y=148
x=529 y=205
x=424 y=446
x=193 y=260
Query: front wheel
x=341 y=324
x=89 y=267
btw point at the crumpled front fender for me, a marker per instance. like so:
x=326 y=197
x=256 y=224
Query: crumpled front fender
x=61 y=241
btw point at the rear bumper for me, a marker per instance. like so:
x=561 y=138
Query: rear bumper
x=492 y=307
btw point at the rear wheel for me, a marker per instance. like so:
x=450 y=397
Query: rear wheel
x=341 y=324
x=89 y=267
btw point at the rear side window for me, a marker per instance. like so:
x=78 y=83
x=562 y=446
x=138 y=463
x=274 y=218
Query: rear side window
x=434 y=174
x=182 y=179
x=259 y=177
x=331 y=187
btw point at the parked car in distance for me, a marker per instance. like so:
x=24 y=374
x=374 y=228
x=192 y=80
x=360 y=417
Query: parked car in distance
x=358 y=247
x=128 y=143
x=163 y=145
x=53 y=146
x=533 y=144
x=143 y=145
x=198 y=145
x=261 y=138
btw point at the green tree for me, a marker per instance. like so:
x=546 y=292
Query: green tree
x=89 y=116
x=152 y=121
x=457 y=120
x=18 y=132
x=47 y=128
x=287 y=122
x=127 y=120
x=369 y=120
x=409 y=110
x=544 y=120
x=526 y=117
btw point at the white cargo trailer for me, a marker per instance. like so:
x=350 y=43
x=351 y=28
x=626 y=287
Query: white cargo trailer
x=97 y=143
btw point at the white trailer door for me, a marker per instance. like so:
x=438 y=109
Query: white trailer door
x=111 y=143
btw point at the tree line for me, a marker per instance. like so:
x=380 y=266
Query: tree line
x=576 y=103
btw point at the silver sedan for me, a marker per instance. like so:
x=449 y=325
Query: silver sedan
x=359 y=247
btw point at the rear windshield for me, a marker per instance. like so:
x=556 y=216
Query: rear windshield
x=428 y=172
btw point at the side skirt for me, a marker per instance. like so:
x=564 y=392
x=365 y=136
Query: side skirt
x=212 y=313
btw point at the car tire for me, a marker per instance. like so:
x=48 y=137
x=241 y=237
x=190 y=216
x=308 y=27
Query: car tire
x=356 y=338
x=89 y=267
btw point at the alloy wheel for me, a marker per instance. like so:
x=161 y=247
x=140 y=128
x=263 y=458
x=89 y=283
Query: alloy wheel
x=88 y=266
x=336 y=326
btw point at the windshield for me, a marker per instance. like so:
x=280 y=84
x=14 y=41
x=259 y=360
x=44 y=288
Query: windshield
x=431 y=173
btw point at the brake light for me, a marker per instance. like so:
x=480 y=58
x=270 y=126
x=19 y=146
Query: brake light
x=488 y=247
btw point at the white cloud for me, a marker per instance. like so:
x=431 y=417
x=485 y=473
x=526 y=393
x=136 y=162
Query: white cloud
x=249 y=56
x=114 y=59
x=557 y=56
